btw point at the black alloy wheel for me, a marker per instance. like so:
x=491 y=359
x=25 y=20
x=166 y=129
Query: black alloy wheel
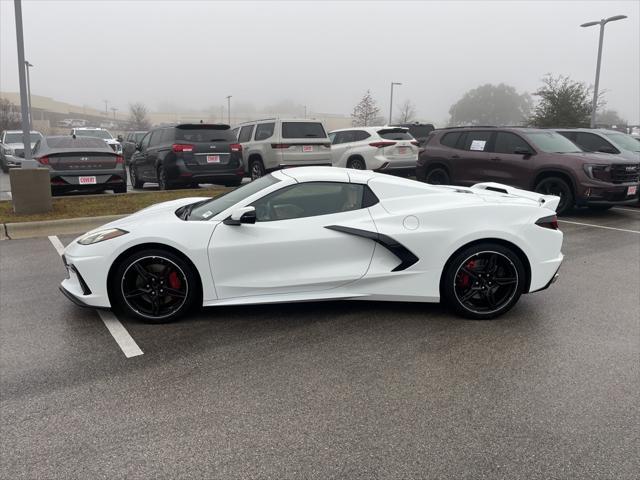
x=155 y=286
x=357 y=163
x=163 y=182
x=437 y=176
x=256 y=169
x=558 y=187
x=484 y=281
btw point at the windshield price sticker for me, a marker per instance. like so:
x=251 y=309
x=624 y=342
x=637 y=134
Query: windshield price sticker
x=478 y=145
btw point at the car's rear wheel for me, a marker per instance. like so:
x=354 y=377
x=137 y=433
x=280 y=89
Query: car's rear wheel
x=357 y=163
x=163 y=181
x=155 y=286
x=121 y=188
x=483 y=281
x=256 y=169
x=133 y=175
x=560 y=188
x=438 y=176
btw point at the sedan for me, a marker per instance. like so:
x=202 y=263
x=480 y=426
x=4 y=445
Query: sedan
x=322 y=233
x=81 y=164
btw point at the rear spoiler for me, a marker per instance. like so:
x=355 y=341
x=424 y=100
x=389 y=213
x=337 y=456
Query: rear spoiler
x=547 y=201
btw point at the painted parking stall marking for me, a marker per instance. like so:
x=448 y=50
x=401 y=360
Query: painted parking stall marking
x=120 y=334
x=599 y=226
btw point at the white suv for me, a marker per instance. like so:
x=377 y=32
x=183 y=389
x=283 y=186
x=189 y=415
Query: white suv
x=276 y=143
x=385 y=149
x=98 y=133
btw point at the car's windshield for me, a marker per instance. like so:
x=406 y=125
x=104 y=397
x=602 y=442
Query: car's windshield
x=138 y=136
x=552 y=142
x=626 y=142
x=17 y=137
x=104 y=134
x=211 y=208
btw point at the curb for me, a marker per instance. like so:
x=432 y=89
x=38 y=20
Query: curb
x=44 y=228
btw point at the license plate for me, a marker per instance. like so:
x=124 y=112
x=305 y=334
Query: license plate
x=213 y=158
x=87 y=180
x=403 y=150
x=632 y=190
x=307 y=148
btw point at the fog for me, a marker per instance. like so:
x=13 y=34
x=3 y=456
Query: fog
x=192 y=54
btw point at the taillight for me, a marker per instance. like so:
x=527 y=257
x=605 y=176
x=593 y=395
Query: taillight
x=181 y=147
x=235 y=147
x=43 y=160
x=280 y=145
x=381 y=144
x=416 y=143
x=548 y=222
x=119 y=160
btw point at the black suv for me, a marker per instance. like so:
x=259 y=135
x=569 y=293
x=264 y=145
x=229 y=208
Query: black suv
x=419 y=131
x=186 y=155
x=533 y=159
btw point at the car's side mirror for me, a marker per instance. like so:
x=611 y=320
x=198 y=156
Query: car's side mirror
x=523 y=151
x=138 y=147
x=242 y=215
x=120 y=138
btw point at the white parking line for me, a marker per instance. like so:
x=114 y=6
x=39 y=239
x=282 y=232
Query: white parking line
x=599 y=226
x=634 y=210
x=125 y=341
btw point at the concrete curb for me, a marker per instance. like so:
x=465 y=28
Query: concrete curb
x=44 y=228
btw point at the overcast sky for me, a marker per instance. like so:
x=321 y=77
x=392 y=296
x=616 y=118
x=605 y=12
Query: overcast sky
x=323 y=54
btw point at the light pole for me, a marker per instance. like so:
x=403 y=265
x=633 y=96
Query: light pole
x=24 y=102
x=114 y=110
x=106 y=108
x=391 y=101
x=602 y=23
x=229 y=109
x=28 y=65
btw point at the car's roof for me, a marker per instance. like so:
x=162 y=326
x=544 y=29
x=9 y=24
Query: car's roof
x=20 y=131
x=259 y=120
x=371 y=129
x=590 y=130
x=62 y=143
x=89 y=128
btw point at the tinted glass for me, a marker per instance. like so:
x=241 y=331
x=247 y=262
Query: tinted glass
x=333 y=137
x=450 y=139
x=94 y=133
x=145 y=141
x=360 y=135
x=245 y=133
x=70 y=142
x=551 y=142
x=420 y=131
x=624 y=141
x=477 y=141
x=591 y=142
x=347 y=136
x=17 y=137
x=214 y=206
x=395 y=134
x=264 y=131
x=234 y=132
x=309 y=200
x=138 y=136
x=507 y=142
x=198 y=134
x=156 y=138
x=303 y=130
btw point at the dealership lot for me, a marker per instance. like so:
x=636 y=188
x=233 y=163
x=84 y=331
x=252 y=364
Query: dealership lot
x=329 y=390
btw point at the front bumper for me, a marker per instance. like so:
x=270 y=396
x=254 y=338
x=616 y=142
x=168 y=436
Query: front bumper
x=84 y=284
x=13 y=161
x=607 y=194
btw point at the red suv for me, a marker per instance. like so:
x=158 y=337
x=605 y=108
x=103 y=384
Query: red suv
x=532 y=159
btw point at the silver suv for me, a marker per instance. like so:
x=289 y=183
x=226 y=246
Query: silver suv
x=275 y=143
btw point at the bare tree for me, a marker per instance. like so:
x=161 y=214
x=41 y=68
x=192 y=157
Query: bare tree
x=138 y=112
x=9 y=116
x=407 y=112
x=365 y=112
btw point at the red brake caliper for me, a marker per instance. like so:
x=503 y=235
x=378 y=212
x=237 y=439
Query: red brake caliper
x=174 y=280
x=464 y=280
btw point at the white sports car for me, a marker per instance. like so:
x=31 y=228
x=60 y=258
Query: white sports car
x=322 y=233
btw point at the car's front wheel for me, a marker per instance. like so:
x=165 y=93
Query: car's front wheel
x=155 y=286
x=437 y=176
x=483 y=281
x=357 y=163
x=135 y=180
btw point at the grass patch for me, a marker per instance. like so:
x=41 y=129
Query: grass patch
x=104 y=204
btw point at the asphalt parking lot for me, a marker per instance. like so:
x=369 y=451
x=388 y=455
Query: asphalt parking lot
x=329 y=390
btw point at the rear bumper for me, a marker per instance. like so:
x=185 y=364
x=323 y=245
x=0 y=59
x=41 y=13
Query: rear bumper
x=545 y=274
x=193 y=174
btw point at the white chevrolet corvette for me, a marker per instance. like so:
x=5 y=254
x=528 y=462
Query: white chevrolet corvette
x=322 y=233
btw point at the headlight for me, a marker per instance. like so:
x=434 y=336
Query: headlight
x=7 y=150
x=598 y=172
x=101 y=236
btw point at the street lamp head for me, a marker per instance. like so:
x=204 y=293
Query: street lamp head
x=590 y=24
x=26 y=62
x=617 y=17
x=396 y=83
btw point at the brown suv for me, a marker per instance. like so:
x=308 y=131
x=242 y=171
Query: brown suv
x=529 y=158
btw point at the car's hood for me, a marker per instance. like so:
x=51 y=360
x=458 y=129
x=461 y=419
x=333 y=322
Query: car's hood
x=600 y=158
x=112 y=141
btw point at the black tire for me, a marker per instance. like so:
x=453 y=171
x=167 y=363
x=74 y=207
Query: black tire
x=151 y=302
x=357 y=163
x=133 y=175
x=163 y=181
x=256 y=169
x=475 y=288
x=600 y=208
x=437 y=176
x=121 y=189
x=559 y=187
x=4 y=166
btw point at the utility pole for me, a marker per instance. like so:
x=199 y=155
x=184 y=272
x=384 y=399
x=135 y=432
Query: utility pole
x=114 y=110
x=391 y=101
x=28 y=65
x=106 y=107
x=229 y=109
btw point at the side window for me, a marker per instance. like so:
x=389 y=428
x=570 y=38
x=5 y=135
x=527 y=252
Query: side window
x=450 y=139
x=507 y=142
x=155 y=138
x=234 y=133
x=167 y=136
x=333 y=137
x=245 y=133
x=145 y=141
x=310 y=200
x=593 y=143
x=477 y=141
x=360 y=135
x=348 y=136
x=264 y=131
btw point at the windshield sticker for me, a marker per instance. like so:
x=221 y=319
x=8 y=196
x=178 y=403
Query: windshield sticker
x=207 y=214
x=478 y=145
